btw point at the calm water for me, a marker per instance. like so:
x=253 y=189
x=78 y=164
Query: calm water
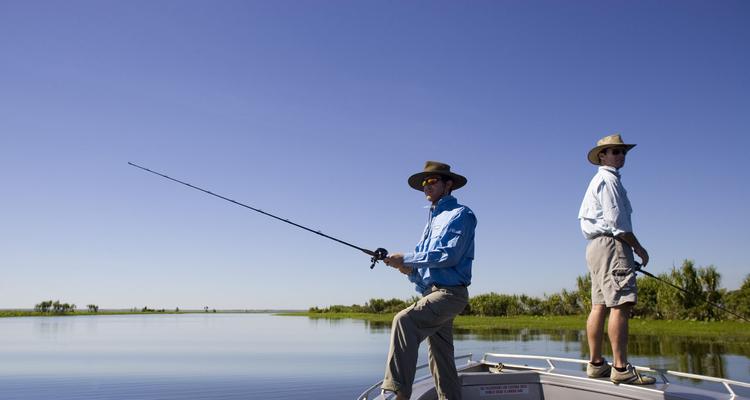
x=261 y=356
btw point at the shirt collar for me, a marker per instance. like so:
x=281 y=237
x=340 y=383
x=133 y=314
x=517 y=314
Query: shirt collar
x=612 y=170
x=444 y=203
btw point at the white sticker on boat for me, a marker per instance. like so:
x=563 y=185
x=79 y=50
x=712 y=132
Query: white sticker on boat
x=494 y=390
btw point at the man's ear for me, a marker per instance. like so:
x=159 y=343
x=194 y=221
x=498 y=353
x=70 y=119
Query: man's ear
x=448 y=186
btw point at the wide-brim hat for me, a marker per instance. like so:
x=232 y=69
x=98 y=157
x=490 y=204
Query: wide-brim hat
x=436 y=168
x=605 y=143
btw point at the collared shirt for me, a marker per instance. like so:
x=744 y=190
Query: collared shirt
x=444 y=254
x=605 y=209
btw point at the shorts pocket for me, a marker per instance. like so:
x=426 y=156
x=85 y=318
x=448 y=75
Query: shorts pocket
x=623 y=278
x=623 y=274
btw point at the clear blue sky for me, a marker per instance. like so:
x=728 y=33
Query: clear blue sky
x=319 y=111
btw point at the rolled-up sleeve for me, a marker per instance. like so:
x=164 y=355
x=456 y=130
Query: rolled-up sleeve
x=449 y=248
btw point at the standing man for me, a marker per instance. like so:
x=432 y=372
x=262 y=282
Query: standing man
x=440 y=267
x=605 y=222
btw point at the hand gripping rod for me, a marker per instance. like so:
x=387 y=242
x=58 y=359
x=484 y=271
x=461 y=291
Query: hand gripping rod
x=638 y=268
x=377 y=255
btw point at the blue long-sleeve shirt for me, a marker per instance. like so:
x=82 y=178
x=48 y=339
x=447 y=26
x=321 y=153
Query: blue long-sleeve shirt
x=444 y=254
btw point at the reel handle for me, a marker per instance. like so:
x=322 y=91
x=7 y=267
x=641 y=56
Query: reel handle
x=380 y=254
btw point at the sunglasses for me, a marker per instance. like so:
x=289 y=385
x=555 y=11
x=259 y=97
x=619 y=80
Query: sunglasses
x=617 y=152
x=430 y=181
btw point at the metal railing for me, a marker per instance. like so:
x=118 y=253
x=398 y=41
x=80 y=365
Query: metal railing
x=486 y=359
x=726 y=383
x=366 y=394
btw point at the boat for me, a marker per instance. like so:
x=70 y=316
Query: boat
x=532 y=377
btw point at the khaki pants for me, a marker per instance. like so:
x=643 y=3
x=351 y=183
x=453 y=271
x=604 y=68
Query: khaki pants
x=430 y=318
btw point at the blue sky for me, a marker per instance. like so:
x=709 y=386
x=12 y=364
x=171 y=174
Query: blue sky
x=319 y=111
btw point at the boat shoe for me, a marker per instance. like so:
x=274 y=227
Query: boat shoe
x=631 y=376
x=598 y=371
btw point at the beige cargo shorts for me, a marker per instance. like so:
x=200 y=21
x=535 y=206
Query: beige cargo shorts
x=612 y=269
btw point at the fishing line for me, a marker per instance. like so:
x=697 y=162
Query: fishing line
x=377 y=255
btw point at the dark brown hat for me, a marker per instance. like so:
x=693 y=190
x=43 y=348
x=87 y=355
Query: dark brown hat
x=436 y=168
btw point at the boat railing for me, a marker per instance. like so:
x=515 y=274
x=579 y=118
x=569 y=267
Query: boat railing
x=726 y=383
x=366 y=394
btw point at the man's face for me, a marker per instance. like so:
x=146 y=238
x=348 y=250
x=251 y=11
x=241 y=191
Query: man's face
x=613 y=157
x=435 y=187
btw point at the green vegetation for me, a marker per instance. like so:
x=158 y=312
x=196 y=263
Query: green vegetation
x=657 y=301
x=578 y=322
x=374 y=306
x=478 y=324
x=56 y=308
x=28 y=313
x=47 y=307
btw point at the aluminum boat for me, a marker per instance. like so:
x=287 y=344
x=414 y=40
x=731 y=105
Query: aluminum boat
x=527 y=377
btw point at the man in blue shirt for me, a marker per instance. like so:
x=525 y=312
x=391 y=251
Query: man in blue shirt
x=440 y=268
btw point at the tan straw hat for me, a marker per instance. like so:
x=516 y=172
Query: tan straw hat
x=605 y=143
x=436 y=168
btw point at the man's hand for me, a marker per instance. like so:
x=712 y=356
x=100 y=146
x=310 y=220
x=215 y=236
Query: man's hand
x=396 y=260
x=632 y=241
x=643 y=254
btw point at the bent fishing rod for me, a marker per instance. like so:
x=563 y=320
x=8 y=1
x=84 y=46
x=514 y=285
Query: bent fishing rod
x=377 y=255
x=638 y=268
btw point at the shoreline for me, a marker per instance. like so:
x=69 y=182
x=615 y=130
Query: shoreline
x=465 y=323
x=480 y=324
x=10 y=313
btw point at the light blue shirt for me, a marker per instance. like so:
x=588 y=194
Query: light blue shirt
x=605 y=209
x=444 y=254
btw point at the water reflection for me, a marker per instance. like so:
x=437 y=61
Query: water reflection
x=697 y=355
x=377 y=326
x=238 y=356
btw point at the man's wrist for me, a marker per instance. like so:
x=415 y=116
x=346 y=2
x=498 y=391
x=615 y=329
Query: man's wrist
x=409 y=259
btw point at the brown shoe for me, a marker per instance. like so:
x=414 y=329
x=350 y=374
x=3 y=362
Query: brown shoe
x=631 y=377
x=598 y=371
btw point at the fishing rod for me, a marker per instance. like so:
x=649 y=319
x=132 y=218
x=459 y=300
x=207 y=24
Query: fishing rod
x=638 y=267
x=377 y=255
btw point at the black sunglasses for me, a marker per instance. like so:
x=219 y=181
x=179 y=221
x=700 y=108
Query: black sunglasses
x=616 y=152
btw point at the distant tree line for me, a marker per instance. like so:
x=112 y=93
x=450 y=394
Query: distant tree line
x=374 y=306
x=55 y=307
x=146 y=309
x=656 y=300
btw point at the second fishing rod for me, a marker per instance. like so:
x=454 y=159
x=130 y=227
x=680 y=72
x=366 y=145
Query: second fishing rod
x=376 y=255
x=639 y=268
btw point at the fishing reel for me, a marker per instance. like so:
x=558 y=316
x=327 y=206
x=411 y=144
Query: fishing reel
x=377 y=255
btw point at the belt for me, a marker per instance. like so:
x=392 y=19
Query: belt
x=436 y=286
x=604 y=235
x=609 y=235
